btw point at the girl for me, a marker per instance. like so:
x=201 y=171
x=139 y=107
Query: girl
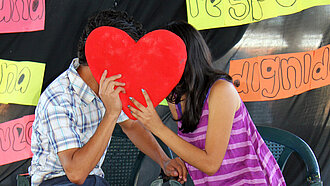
x=216 y=136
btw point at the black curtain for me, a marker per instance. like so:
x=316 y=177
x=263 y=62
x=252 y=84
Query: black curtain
x=56 y=47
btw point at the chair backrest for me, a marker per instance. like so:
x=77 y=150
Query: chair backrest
x=121 y=160
x=282 y=143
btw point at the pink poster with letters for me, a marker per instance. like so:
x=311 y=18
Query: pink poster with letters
x=15 y=140
x=22 y=15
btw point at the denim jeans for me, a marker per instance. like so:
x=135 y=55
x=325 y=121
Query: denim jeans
x=91 y=180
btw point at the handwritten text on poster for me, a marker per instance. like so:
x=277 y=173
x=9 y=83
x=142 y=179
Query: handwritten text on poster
x=15 y=140
x=22 y=15
x=20 y=82
x=281 y=76
x=222 y=13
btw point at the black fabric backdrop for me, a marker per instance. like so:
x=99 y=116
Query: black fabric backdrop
x=306 y=115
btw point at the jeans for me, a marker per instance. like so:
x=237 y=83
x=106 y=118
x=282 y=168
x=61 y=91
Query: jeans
x=91 y=180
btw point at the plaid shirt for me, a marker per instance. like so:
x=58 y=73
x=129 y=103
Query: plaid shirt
x=67 y=116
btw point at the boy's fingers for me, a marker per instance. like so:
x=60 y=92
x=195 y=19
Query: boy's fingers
x=183 y=167
x=179 y=170
x=103 y=78
x=114 y=77
x=113 y=84
x=104 y=74
x=174 y=173
x=119 y=89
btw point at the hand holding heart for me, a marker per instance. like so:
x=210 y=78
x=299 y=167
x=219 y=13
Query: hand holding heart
x=146 y=115
x=154 y=63
x=109 y=95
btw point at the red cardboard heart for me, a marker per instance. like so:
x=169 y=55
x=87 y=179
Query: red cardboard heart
x=154 y=63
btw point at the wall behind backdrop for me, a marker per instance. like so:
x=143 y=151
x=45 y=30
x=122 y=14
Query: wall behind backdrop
x=306 y=114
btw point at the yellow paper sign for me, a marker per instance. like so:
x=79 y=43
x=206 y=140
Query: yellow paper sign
x=20 y=82
x=164 y=103
x=205 y=14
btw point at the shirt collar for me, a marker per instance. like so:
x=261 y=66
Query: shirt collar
x=85 y=93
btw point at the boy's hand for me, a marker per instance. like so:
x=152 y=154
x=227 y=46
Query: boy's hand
x=109 y=94
x=176 y=168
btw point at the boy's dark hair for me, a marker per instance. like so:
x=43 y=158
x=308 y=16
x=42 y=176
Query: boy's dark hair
x=117 y=19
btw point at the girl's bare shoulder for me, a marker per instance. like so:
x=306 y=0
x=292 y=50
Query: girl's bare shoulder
x=223 y=91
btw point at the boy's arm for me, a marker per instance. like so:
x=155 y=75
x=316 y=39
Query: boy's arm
x=79 y=162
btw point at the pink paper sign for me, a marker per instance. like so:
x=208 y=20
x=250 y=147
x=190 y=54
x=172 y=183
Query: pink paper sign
x=22 y=15
x=15 y=140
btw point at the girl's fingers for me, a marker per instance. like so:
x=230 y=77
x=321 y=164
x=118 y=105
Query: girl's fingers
x=137 y=104
x=147 y=98
x=135 y=114
x=134 y=110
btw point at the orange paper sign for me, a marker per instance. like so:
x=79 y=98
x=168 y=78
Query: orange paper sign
x=22 y=15
x=280 y=76
x=15 y=140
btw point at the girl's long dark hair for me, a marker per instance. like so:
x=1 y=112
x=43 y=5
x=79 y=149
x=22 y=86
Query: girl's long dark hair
x=198 y=76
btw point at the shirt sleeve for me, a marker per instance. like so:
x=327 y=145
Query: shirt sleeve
x=62 y=132
x=122 y=117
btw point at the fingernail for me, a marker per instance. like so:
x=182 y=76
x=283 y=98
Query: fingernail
x=143 y=90
x=128 y=106
x=130 y=98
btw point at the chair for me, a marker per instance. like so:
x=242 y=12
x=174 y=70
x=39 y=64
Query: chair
x=122 y=163
x=121 y=160
x=282 y=143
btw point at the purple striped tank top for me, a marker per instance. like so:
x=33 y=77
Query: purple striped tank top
x=247 y=161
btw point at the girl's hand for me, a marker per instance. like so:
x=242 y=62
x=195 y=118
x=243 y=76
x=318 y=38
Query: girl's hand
x=109 y=95
x=146 y=115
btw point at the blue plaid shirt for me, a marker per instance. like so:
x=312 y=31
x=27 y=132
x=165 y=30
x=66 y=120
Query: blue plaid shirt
x=67 y=116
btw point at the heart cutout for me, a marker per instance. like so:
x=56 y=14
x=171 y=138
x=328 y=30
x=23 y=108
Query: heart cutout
x=155 y=63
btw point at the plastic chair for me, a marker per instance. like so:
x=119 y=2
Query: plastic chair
x=282 y=143
x=121 y=160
